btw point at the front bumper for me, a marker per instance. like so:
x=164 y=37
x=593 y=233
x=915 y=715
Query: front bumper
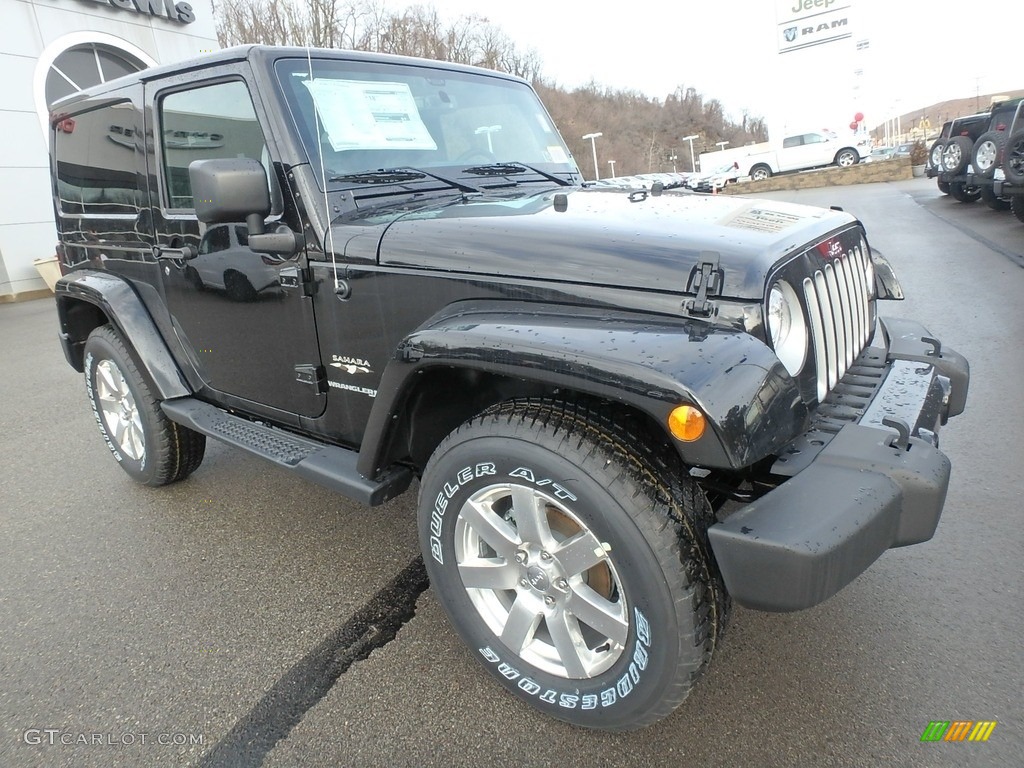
x=857 y=486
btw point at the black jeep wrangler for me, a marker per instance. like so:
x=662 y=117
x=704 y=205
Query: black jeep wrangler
x=955 y=153
x=625 y=408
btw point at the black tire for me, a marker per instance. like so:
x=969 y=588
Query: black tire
x=963 y=193
x=654 y=595
x=935 y=154
x=988 y=197
x=152 y=449
x=943 y=187
x=1017 y=207
x=238 y=286
x=1013 y=159
x=957 y=154
x=987 y=154
x=847 y=157
x=760 y=172
x=194 y=278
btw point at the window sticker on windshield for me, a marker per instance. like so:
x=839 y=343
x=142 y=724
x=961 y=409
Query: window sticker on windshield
x=557 y=155
x=357 y=114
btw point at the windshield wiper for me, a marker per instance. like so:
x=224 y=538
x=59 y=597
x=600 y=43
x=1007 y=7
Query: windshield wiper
x=397 y=175
x=382 y=176
x=511 y=168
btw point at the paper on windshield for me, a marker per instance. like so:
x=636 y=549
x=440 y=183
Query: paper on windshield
x=357 y=114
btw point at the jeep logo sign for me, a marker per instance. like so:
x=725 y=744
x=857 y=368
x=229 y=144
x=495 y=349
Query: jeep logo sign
x=180 y=12
x=806 y=23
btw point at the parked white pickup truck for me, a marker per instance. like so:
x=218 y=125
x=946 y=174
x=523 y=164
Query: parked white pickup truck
x=797 y=152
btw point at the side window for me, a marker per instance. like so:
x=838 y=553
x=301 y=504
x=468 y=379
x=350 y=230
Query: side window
x=213 y=121
x=792 y=141
x=98 y=160
x=216 y=238
x=813 y=138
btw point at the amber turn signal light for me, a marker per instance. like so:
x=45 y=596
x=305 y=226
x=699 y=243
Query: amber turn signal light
x=686 y=423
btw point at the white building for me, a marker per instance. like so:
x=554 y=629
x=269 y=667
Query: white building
x=49 y=49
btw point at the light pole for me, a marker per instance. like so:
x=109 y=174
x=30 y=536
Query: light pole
x=693 y=162
x=593 y=146
x=612 y=164
x=721 y=145
x=673 y=158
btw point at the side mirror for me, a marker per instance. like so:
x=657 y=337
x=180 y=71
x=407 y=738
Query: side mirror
x=226 y=190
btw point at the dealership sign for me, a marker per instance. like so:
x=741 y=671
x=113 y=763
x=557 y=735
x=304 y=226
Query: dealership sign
x=165 y=9
x=806 y=23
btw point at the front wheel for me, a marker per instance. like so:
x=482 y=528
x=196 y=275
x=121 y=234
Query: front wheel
x=573 y=562
x=152 y=449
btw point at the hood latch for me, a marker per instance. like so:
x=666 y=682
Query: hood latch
x=706 y=279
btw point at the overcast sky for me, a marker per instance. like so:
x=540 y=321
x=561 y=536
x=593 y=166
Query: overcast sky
x=918 y=52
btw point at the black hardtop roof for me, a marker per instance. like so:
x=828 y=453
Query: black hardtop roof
x=262 y=54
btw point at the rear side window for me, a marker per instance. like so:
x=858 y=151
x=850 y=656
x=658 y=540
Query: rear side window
x=99 y=157
x=213 y=121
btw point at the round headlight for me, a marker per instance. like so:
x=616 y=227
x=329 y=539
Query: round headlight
x=786 y=327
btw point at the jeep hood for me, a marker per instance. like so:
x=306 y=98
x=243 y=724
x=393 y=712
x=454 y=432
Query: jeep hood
x=608 y=237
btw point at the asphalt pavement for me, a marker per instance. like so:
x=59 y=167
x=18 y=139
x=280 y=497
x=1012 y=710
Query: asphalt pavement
x=245 y=617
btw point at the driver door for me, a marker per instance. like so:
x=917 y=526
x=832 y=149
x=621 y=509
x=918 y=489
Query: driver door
x=242 y=317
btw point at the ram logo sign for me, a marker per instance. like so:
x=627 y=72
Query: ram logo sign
x=807 y=23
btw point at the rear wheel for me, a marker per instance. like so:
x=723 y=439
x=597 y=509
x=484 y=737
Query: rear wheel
x=847 y=157
x=1017 y=207
x=152 y=449
x=988 y=197
x=573 y=560
x=963 y=193
x=760 y=172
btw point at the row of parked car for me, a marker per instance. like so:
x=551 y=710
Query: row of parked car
x=981 y=157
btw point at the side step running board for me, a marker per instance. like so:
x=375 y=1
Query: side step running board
x=327 y=465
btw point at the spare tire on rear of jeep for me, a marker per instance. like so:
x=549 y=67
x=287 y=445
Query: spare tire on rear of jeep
x=956 y=154
x=988 y=153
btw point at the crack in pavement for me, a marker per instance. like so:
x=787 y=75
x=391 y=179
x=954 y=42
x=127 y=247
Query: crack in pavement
x=273 y=717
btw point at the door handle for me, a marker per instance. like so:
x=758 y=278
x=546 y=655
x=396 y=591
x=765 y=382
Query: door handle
x=184 y=253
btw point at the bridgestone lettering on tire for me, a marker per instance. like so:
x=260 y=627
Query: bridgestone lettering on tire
x=570 y=553
x=150 y=448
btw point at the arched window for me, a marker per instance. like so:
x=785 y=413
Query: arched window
x=86 y=65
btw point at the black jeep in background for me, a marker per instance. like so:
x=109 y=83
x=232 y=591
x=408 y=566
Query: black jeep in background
x=952 y=154
x=369 y=269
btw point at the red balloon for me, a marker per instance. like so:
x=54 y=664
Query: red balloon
x=853 y=126
x=859 y=116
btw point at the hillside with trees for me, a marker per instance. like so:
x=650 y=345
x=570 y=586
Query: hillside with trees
x=640 y=133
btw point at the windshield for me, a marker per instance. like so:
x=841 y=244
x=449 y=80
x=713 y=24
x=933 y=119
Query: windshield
x=367 y=116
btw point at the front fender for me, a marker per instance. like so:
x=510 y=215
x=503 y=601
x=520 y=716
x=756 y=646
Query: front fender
x=752 y=405
x=123 y=308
